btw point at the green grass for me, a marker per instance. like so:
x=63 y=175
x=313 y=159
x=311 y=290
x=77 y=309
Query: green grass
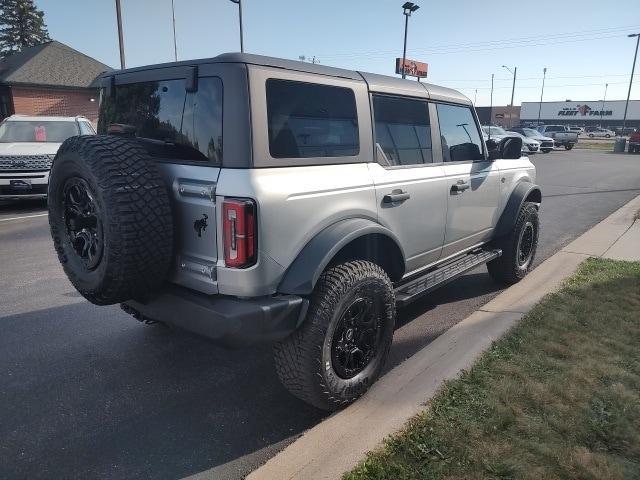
x=558 y=397
x=595 y=145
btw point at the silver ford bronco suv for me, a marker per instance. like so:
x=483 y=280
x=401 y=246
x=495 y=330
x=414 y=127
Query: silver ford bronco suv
x=252 y=199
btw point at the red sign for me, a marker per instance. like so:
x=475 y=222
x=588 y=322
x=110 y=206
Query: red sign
x=412 y=68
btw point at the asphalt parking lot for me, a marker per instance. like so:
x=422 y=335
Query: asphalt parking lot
x=88 y=392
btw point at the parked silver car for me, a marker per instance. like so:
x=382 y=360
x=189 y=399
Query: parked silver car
x=251 y=199
x=546 y=143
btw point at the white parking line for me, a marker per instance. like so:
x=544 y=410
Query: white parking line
x=26 y=216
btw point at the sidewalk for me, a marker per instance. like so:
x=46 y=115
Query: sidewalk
x=337 y=444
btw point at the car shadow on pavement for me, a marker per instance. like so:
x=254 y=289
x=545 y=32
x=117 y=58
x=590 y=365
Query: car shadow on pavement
x=93 y=393
x=97 y=395
x=19 y=207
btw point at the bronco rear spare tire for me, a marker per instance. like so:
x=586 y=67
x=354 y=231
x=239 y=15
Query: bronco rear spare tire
x=110 y=218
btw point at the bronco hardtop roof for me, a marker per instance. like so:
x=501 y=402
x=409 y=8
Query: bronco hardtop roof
x=375 y=82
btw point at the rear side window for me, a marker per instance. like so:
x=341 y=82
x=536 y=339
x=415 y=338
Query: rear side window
x=310 y=120
x=403 y=130
x=171 y=122
x=459 y=134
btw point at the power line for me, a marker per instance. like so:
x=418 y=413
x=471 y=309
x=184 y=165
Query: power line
x=591 y=35
x=547 y=86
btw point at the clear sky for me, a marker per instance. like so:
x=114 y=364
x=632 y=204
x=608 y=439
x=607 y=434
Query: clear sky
x=582 y=43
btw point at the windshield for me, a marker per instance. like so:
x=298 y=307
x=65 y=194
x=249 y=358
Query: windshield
x=529 y=132
x=494 y=131
x=32 y=131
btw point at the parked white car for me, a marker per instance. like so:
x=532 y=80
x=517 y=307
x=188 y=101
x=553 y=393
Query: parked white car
x=529 y=145
x=546 y=143
x=27 y=148
x=601 y=132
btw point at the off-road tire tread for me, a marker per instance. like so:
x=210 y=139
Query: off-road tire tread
x=504 y=269
x=298 y=358
x=138 y=218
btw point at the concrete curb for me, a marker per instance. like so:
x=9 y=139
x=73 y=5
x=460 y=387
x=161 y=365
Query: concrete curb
x=337 y=444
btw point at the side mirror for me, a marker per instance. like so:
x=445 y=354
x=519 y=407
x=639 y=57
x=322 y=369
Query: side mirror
x=511 y=148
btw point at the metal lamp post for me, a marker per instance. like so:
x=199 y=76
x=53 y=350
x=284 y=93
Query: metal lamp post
x=408 y=8
x=513 y=89
x=175 y=46
x=120 y=36
x=239 y=3
x=544 y=76
x=635 y=56
x=604 y=99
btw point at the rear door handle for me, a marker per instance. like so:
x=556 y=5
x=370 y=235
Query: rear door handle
x=461 y=186
x=397 y=196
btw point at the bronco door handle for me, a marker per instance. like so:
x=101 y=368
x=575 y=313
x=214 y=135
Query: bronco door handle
x=461 y=186
x=396 y=196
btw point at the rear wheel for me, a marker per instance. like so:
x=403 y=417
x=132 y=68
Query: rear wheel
x=340 y=349
x=568 y=146
x=518 y=247
x=546 y=150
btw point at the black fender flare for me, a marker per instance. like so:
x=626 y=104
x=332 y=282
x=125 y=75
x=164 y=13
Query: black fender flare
x=302 y=275
x=520 y=193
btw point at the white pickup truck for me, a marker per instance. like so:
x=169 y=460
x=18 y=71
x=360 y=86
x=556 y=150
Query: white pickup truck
x=561 y=135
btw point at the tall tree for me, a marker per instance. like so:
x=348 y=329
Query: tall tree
x=21 y=26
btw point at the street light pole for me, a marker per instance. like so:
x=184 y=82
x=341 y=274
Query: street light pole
x=408 y=7
x=604 y=99
x=239 y=3
x=120 y=37
x=626 y=106
x=513 y=89
x=491 y=106
x=175 y=47
x=475 y=97
x=544 y=76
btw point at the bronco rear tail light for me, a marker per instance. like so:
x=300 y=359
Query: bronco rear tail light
x=239 y=232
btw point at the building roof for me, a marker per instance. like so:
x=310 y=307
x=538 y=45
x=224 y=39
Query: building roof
x=50 y=64
x=376 y=82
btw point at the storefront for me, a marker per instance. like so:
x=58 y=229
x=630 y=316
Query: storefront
x=607 y=114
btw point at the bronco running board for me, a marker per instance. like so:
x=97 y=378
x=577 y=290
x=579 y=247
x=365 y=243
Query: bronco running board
x=417 y=287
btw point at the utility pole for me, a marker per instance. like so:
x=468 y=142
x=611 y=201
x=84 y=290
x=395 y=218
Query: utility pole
x=175 y=47
x=624 y=120
x=239 y=3
x=606 y=85
x=513 y=89
x=408 y=8
x=491 y=107
x=120 y=39
x=544 y=76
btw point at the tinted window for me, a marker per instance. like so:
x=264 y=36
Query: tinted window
x=402 y=130
x=86 y=128
x=459 y=134
x=309 y=120
x=37 y=131
x=171 y=122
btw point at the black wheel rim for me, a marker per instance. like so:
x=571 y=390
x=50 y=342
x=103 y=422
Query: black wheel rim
x=525 y=244
x=81 y=217
x=356 y=338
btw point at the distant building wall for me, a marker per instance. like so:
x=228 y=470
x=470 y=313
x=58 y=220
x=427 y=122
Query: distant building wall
x=502 y=116
x=49 y=101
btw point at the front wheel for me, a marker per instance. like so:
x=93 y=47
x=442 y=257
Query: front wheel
x=591 y=135
x=568 y=147
x=546 y=150
x=518 y=247
x=608 y=136
x=340 y=349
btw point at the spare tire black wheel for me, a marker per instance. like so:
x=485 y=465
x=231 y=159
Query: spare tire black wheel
x=110 y=218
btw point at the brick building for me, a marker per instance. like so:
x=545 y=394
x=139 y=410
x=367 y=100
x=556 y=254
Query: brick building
x=49 y=79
